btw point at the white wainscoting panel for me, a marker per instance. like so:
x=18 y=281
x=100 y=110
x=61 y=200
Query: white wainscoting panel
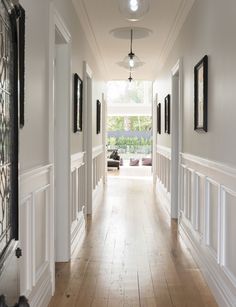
x=78 y=200
x=36 y=220
x=98 y=164
x=200 y=202
x=207 y=222
x=229 y=232
x=212 y=227
x=163 y=169
x=98 y=173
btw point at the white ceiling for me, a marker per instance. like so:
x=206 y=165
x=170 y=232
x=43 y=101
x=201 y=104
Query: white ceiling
x=165 y=19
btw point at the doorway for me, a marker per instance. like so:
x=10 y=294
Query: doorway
x=129 y=129
x=59 y=139
x=176 y=137
x=88 y=136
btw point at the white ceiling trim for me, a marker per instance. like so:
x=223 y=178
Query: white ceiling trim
x=180 y=18
x=88 y=30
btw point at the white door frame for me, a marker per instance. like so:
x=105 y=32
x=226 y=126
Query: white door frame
x=154 y=139
x=88 y=135
x=176 y=135
x=59 y=212
x=104 y=137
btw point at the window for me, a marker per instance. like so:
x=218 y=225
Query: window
x=124 y=92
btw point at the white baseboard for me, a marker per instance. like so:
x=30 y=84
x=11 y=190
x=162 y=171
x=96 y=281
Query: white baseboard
x=98 y=193
x=41 y=295
x=163 y=195
x=78 y=229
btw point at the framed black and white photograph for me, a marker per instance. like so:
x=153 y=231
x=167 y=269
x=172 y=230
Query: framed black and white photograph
x=98 y=117
x=78 y=103
x=167 y=114
x=201 y=94
x=159 y=118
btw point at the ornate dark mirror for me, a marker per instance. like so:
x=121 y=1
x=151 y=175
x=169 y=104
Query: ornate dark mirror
x=9 y=92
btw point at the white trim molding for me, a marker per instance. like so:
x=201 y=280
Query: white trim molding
x=97 y=151
x=176 y=134
x=57 y=108
x=88 y=135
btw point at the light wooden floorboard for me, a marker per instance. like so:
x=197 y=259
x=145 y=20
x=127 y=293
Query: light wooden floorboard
x=131 y=255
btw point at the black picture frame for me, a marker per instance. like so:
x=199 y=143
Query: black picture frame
x=159 y=118
x=98 y=125
x=167 y=114
x=78 y=104
x=201 y=94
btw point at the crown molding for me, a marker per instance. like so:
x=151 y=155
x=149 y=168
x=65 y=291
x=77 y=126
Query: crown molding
x=89 y=33
x=176 y=27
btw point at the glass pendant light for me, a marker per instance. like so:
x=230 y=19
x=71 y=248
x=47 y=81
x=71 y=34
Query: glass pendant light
x=127 y=63
x=133 y=10
x=131 y=61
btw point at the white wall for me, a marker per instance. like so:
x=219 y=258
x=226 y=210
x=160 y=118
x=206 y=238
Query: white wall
x=36 y=182
x=208 y=161
x=34 y=136
x=209 y=29
x=81 y=51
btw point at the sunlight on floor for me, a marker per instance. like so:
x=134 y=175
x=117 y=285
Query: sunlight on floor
x=131 y=171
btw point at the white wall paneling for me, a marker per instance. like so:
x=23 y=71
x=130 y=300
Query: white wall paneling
x=228 y=198
x=36 y=221
x=212 y=216
x=163 y=173
x=78 y=200
x=98 y=173
x=207 y=222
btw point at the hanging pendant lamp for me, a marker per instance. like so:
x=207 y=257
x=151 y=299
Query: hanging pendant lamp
x=133 y=10
x=131 y=61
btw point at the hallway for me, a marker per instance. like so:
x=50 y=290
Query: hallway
x=131 y=256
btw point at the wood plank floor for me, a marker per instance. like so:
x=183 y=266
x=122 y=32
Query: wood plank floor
x=131 y=255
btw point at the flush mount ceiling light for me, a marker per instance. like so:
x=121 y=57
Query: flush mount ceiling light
x=133 y=10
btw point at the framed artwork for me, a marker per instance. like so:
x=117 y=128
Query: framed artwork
x=201 y=94
x=98 y=116
x=167 y=114
x=78 y=103
x=159 y=118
